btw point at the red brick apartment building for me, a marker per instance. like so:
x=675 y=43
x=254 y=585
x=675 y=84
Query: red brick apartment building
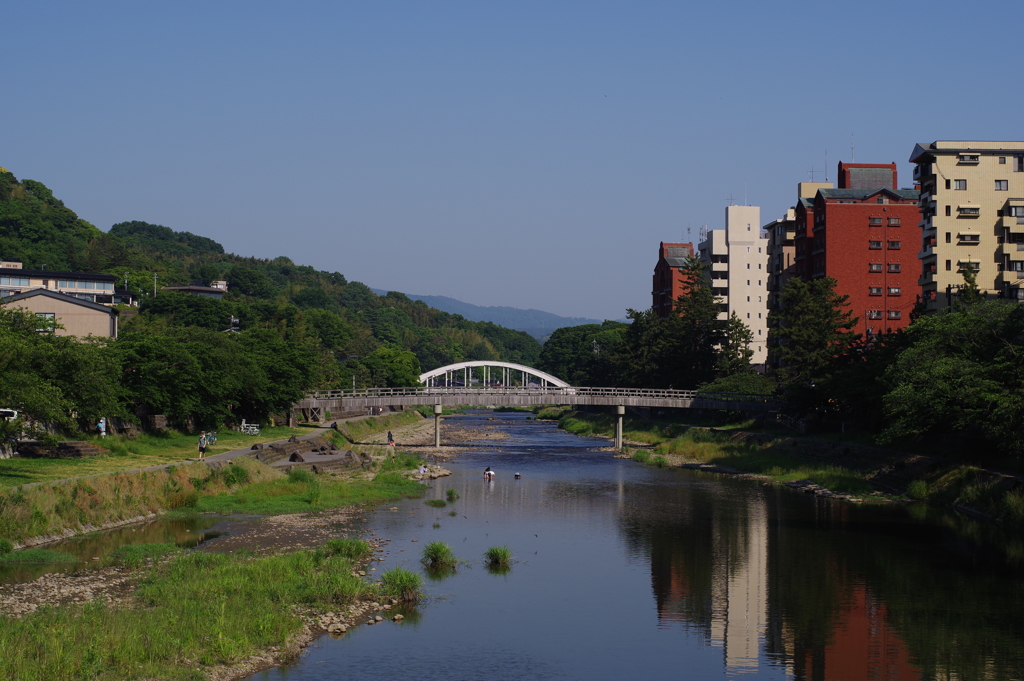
x=864 y=234
x=668 y=282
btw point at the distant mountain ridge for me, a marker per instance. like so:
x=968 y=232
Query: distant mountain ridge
x=537 y=323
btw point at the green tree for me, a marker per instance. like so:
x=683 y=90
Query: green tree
x=813 y=329
x=734 y=354
x=961 y=370
x=392 y=367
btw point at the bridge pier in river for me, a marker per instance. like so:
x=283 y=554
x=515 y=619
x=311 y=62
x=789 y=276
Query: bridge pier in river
x=437 y=425
x=620 y=411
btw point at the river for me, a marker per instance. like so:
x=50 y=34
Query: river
x=625 y=570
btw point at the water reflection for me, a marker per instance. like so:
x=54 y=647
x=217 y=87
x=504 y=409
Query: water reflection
x=624 y=570
x=90 y=549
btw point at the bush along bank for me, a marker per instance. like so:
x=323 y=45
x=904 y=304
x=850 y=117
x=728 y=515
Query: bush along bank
x=195 y=611
x=824 y=467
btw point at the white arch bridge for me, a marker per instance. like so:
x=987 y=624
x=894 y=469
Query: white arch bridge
x=546 y=390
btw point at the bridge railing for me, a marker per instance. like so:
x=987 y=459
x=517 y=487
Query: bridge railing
x=561 y=395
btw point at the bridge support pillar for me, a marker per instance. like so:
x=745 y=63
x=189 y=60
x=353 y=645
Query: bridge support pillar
x=620 y=411
x=437 y=425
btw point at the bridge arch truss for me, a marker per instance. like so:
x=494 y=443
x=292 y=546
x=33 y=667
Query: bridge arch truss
x=447 y=376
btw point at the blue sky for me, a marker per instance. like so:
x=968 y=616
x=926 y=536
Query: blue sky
x=529 y=154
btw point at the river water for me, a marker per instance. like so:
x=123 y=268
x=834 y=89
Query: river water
x=627 y=571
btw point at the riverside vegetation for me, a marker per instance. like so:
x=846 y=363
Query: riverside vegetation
x=191 y=611
x=830 y=464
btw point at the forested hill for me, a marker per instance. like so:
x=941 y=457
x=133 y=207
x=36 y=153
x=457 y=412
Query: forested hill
x=365 y=337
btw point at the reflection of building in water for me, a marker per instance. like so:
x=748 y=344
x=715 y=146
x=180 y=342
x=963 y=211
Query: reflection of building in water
x=861 y=645
x=740 y=592
x=715 y=580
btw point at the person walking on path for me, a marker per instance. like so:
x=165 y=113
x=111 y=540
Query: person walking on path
x=391 y=439
x=202 y=445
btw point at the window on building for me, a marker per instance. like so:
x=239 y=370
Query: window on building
x=894 y=267
x=875 y=267
x=949 y=210
x=874 y=244
x=748 y=265
x=874 y=290
x=895 y=314
x=968 y=158
x=969 y=238
x=968 y=210
x=1016 y=211
x=894 y=222
x=1002 y=185
x=748 y=299
x=947 y=184
x=960 y=185
x=949 y=265
x=48 y=321
x=894 y=245
x=874 y=314
x=874 y=221
x=949 y=237
x=1017 y=265
x=894 y=291
x=1002 y=160
x=1019 y=164
x=748 y=315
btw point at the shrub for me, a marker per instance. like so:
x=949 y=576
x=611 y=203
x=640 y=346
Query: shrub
x=183 y=499
x=1014 y=503
x=299 y=475
x=314 y=492
x=235 y=475
x=917 y=489
x=401 y=584
x=498 y=555
x=133 y=555
x=352 y=549
x=436 y=503
x=438 y=554
x=6 y=546
x=641 y=456
x=451 y=495
x=660 y=461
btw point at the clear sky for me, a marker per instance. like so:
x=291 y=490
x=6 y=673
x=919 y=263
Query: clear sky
x=529 y=154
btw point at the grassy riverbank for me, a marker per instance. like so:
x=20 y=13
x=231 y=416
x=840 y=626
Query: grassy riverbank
x=245 y=486
x=848 y=468
x=193 y=611
x=358 y=431
x=126 y=454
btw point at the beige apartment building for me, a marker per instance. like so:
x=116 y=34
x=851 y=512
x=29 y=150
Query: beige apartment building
x=737 y=261
x=972 y=213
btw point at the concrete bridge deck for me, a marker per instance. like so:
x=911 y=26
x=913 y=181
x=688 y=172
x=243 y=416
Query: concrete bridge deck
x=347 y=400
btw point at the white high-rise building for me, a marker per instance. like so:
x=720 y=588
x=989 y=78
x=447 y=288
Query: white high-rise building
x=737 y=260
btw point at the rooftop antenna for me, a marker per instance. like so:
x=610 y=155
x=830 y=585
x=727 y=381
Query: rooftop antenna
x=729 y=200
x=745 y=193
x=826 y=164
x=852 y=148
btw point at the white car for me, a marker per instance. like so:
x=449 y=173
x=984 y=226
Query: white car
x=8 y=414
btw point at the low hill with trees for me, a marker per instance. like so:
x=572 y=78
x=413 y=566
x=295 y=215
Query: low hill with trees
x=299 y=328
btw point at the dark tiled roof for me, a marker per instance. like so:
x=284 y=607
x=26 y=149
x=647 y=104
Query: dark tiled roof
x=54 y=274
x=908 y=194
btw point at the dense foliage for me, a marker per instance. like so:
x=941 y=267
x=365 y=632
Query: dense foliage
x=690 y=348
x=299 y=328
